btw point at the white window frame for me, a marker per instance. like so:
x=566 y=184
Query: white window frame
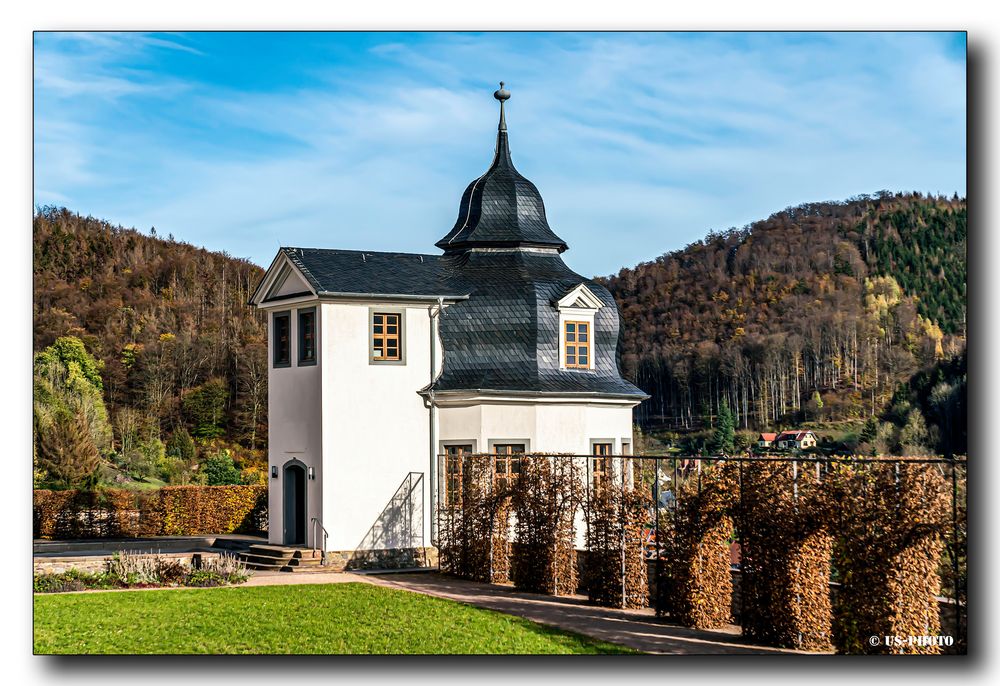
x=579 y=305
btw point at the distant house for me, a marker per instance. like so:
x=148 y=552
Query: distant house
x=797 y=438
x=766 y=440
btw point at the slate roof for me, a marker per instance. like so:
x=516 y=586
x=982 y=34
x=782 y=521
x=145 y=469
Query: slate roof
x=505 y=337
x=354 y=272
x=502 y=334
x=501 y=209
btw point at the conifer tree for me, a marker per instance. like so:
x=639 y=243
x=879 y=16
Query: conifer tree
x=724 y=439
x=66 y=450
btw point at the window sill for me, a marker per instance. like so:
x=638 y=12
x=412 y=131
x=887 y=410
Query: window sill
x=307 y=363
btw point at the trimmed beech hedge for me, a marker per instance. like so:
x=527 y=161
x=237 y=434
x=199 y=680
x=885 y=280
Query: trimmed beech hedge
x=170 y=511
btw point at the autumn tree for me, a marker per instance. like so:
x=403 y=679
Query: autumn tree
x=67 y=383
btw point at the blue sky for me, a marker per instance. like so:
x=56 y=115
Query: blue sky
x=639 y=143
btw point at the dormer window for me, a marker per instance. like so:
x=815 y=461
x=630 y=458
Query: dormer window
x=577 y=342
x=577 y=310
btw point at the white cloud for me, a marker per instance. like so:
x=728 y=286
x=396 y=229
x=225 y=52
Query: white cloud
x=656 y=138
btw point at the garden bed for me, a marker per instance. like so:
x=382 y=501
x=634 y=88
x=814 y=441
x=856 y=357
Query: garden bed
x=130 y=570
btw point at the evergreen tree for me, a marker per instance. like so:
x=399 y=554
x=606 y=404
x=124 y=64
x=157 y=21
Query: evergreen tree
x=66 y=450
x=724 y=438
x=205 y=408
x=181 y=445
x=867 y=437
x=219 y=470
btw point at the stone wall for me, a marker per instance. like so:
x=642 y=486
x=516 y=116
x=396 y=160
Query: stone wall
x=95 y=563
x=395 y=558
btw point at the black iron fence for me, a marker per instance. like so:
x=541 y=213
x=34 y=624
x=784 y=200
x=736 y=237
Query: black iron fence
x=676 y=513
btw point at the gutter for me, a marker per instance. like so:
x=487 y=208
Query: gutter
x=393 y=296
x=433 y=418
x=537 y=394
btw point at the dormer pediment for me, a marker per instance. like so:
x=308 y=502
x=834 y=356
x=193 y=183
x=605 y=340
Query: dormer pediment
x=579 y=298
x=283 y=281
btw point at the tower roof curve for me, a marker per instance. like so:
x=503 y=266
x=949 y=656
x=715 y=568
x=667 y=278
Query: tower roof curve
x=501 y=209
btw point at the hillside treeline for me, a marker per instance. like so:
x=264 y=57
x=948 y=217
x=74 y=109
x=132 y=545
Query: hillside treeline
x=178 y=351
x=819 y=312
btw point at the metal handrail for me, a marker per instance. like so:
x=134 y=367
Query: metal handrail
x=316 y=522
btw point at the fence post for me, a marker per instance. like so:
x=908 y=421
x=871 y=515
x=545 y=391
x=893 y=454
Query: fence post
x=742 y=525
x=656 y=533
x=954 y=536
x=795 y=509
x=621 y=518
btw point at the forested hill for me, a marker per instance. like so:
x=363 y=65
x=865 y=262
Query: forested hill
x=818 y=312
x=168 y=320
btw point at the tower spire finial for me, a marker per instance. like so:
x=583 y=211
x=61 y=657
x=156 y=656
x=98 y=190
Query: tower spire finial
x=502 y=95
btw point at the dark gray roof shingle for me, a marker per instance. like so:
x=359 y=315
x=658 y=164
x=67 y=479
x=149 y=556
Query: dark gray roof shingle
x=501 y=209
x=355 y=272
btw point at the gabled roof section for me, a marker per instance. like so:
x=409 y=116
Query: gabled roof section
x=579 y=297
x=282 y=281
x=361 y=274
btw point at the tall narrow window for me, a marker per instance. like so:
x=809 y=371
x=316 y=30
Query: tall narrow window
x=600 y=466
x=282 y=339
x=508 y=465
x=454 y=457
x=386 y=337
x=307 y=336
x=577 y=345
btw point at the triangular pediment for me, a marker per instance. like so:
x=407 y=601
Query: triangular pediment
x=283 y=280
x=580 y=297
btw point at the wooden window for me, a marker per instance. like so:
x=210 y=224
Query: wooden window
x=454 y=457
x=307 y=336
x=600 y=467
x=282 y=339
x=386 y=337
x=577 y=345
x=507 y=464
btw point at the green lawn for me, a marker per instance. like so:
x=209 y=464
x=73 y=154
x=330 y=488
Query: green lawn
x=325 y=619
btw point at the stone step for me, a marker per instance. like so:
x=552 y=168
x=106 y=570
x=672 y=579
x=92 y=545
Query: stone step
x=270 y=559
x=281 y=558
x=285 y=552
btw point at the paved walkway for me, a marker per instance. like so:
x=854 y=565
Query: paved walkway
x=272 y=578
x=639 y=629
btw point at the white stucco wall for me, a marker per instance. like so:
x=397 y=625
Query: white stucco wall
x=546 y=427
x=294 y=420
x=376 y=428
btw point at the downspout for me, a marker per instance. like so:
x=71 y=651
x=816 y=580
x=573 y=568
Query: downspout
x=435 y=319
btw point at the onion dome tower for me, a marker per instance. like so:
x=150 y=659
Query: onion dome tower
x=505 y=338
x=501 y=209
